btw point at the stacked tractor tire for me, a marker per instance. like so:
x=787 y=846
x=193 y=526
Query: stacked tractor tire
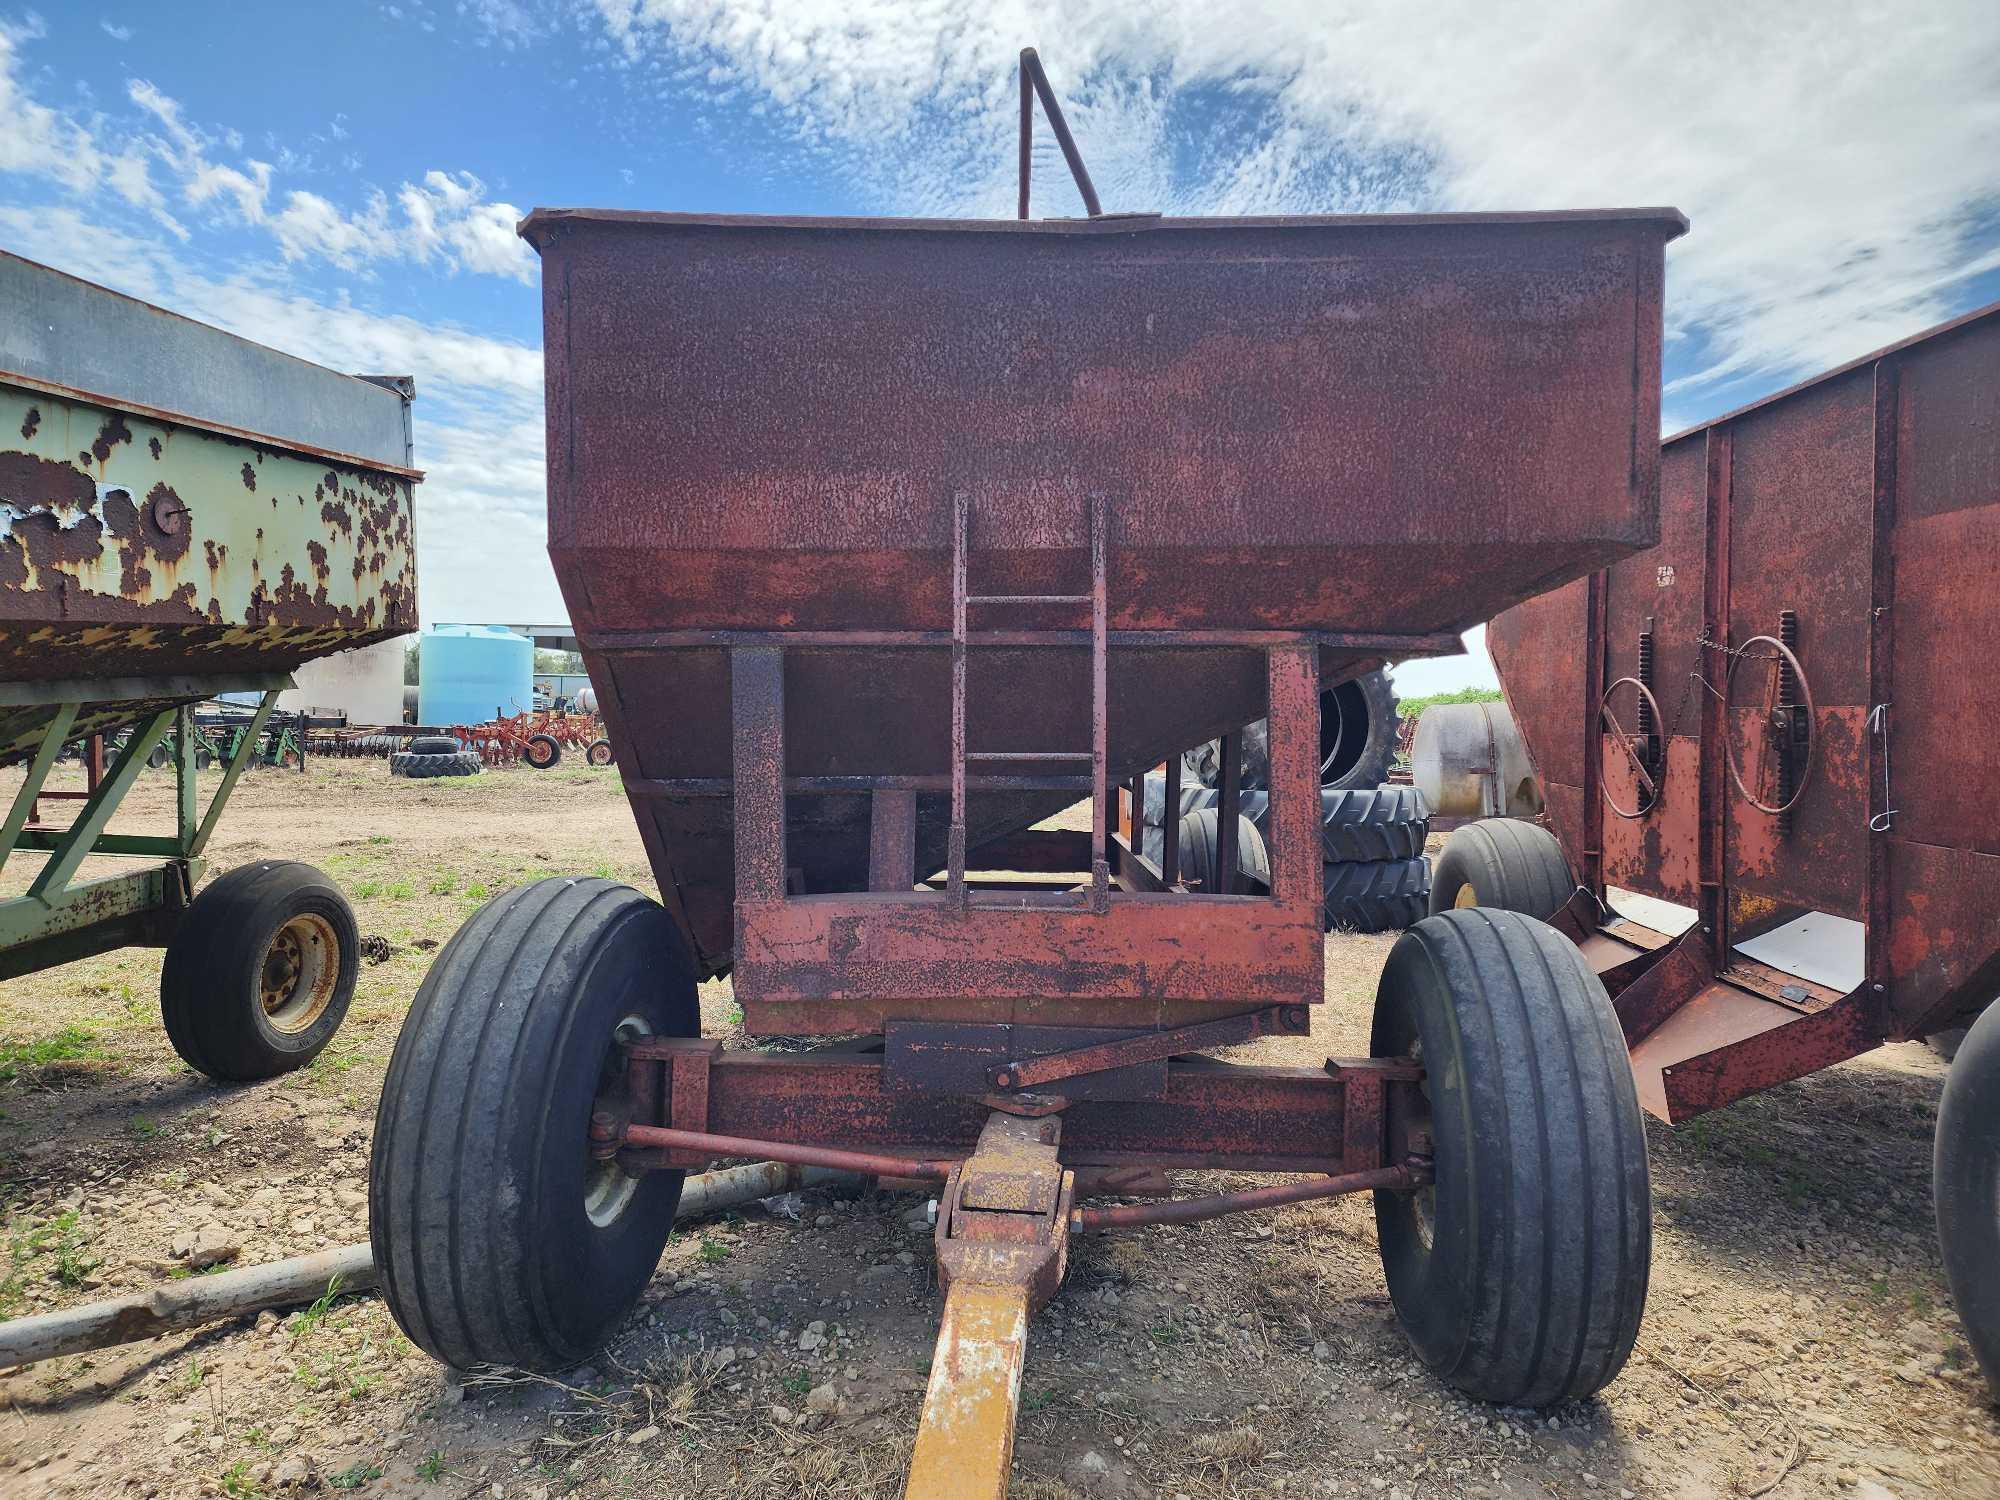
x=1376 y=878
x=434 y=755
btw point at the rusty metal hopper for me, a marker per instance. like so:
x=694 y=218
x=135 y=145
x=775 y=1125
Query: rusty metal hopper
x=159 y=539
x=1376 y=431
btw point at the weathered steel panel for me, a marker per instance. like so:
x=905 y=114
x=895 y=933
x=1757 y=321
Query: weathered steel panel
x=1867 y=502
x=1401 y=402
x=135 y=543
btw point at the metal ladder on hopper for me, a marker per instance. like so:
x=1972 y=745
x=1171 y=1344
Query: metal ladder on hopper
x=963 y=602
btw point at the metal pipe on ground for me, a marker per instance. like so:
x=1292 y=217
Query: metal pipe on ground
x=302 y=1278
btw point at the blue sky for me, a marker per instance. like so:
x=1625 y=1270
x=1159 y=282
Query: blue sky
x=341 y=179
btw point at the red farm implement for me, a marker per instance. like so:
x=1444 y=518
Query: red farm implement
x=954 y=527
x=536 y=739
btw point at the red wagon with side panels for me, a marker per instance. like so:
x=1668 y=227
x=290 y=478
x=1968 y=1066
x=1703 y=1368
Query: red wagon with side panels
x=885 y=540
x=1777 y=730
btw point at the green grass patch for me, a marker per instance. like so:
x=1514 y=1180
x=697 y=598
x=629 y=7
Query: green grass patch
x=71 y=1044
x=1407 y=708
x=52 y=1248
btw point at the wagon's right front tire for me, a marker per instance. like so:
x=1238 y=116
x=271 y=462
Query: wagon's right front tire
x=1520 y=1274
x=498 y=1238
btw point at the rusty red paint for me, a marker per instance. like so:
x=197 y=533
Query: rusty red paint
x=1242 y=1118
x=1859 y=511
x=1037 y=366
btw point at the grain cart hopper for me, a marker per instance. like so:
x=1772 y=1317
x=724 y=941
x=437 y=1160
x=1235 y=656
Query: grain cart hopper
x=886 y=538
x=183 y=513
x=1781 y=721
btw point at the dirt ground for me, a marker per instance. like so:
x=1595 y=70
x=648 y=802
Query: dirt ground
x=1799 y=1340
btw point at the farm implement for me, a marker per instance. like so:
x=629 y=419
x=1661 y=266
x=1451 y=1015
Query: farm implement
x=183 y=514
x=1776 y=730
x=958 y=524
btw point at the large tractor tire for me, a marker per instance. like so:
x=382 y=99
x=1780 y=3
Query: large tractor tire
x=1503 y=863
x=260 y=971
x=1519 y=1274
x=1376 y=895
x=1965 y=1180
x=500 y=1240
x=1357 y=740
x=1200 y=856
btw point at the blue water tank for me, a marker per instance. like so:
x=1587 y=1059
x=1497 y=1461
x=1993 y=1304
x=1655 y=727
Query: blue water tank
x=467 y=674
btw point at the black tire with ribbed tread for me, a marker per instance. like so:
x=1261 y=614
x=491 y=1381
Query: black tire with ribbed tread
x=1199 y=855
x=476 y=1180
x=1507 y=864
x=546 y=746
x=434 y=744
x=1965 y=1181
x=210 y=990
x=1373 y=823
x=1379 y=895
x=1530 y=1285
x=1357 y=740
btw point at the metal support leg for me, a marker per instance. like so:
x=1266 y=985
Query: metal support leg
x=245 y=747
x=53 y=739
x=70 y=849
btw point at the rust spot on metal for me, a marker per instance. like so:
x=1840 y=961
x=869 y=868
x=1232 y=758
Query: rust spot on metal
x=31 y=422
x=335 y=514
x=317 y=551
x=29 y=481
x=110 y=435
x=154 y=445
x=250 y=477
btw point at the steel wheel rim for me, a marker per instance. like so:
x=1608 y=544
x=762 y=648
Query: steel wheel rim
x=300 y=972
x=608 y=1188
x=1423 y=1202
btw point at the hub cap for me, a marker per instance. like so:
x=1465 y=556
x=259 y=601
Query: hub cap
x=608 y=1187
x=300 y=973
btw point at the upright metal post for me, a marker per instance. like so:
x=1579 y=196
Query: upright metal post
x=757 y=712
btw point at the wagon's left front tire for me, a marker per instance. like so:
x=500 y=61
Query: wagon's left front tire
x=498 y=1238
x=258 y=975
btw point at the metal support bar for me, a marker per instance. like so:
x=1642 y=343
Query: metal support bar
x=605 y=1132
x=74 y=845
x=1033 y=78
x=1100 y=706
x=53 y=738
x=757 y=698
x=1193 y=1210
x=246 y=746
x=1148 y=1047
x=1226 y=806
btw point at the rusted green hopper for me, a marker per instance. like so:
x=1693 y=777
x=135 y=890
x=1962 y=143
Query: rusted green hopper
x=183 y=513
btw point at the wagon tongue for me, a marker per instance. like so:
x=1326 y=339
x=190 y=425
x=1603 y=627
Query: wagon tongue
x=1002 y=1246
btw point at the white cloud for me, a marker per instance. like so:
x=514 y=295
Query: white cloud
x=447 y=220
x=115 y=32
x=1836 y=158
